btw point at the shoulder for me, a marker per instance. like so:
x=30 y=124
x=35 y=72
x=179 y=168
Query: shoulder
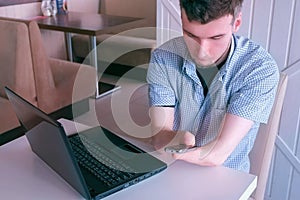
x=253 y=77
x=175 y=46
x=252 y=59
x=248 y=50
x=171 y=55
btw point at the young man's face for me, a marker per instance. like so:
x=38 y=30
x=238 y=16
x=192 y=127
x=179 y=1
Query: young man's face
x=209 y=43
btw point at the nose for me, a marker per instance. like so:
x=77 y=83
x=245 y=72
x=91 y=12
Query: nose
x=203 y=48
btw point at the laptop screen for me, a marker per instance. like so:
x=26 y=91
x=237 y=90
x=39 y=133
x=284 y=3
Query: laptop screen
x=48 y=140
x=24 y=109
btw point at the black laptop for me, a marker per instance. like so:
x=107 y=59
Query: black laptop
x=95 y=162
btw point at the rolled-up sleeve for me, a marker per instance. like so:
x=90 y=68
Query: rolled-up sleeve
x=160 y=90
x=256 y=94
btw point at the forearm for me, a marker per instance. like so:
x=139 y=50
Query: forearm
x=232 y=131
x=162 y=129
x=161 y=125
x=215 y=153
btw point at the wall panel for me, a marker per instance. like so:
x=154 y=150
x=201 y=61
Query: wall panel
x=289 y=128
x=295 y=44
x=261 y=18
x=280 y=31
x=168 y=20
x=246 y=19
x=280 y=184
x=295 y=186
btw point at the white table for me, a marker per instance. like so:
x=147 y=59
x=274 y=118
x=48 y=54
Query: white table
x=25 y=176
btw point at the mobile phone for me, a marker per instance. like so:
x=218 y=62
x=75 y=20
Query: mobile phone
x=180 y=148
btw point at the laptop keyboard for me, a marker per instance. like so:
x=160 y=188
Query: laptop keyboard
x=94 y=159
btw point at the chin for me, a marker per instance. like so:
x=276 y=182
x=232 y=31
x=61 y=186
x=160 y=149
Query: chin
x=204 y=64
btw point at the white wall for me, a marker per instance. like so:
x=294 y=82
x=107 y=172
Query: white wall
x=90 y=6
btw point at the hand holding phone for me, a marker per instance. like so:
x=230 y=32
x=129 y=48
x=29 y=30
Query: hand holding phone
x=181 y=148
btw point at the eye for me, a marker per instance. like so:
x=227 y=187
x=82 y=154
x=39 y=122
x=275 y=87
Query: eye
x=191 y=35
x=217 y=37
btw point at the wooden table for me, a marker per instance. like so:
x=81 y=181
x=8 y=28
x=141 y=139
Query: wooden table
x=87 y=24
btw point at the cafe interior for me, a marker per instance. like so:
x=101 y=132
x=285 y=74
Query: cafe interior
x=86 y=62
x=36 y=63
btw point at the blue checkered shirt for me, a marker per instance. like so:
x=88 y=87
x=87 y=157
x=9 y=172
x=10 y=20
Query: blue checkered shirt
x=244 y=86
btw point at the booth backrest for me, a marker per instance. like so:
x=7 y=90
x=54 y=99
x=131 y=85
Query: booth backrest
x=132 y=8
x=16 y=70
x=15 y=60
x=58 y=83
x=26 y=68
x=44 y=82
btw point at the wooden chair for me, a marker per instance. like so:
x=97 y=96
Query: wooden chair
x=261 y=154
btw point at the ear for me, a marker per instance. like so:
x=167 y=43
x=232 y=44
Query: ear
x=237 y=23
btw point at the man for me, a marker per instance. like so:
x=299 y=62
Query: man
x=210 y=88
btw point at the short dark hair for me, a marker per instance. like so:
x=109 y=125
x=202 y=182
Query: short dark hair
x=205 y=11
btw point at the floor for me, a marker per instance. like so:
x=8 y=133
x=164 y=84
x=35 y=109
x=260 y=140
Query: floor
x=124 y=112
